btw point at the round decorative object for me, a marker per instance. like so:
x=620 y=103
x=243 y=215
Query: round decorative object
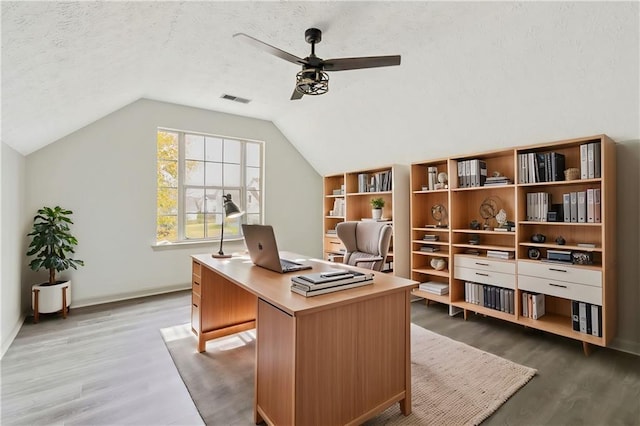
x=474 y=239
x=438 y=264
x=488 y=210
x=475 y=225
x=560 y=240
x=439 y=214
x=533 y=253
x=538 y=238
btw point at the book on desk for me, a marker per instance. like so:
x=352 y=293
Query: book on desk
x=327 y=282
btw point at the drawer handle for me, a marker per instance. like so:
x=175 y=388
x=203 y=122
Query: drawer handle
x=196 y=283
x=557 y=285
x=557 y=270
x=482 y=264
x=334 y=242
x=195 y=306
x=482 y=275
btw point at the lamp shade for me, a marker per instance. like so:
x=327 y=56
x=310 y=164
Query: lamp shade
x=231 y=210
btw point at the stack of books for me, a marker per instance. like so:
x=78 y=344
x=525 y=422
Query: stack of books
x=499 y=254
x=430 y=237
x=497 y=181
x=328 y=282
x=435 y=288
x=429 y=249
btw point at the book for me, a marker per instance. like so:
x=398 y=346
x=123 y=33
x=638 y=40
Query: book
x=434 y=287
x=538 y=305
x=582 y=316
x=574 y=207
x=334 y=278
x=309 y=293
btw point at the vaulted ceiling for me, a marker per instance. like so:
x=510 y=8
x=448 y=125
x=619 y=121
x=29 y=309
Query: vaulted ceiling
x=472 y=75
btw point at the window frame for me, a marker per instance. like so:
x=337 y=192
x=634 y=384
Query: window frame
x=182 y=187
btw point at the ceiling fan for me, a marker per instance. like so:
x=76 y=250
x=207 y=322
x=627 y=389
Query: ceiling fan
x=313 y=80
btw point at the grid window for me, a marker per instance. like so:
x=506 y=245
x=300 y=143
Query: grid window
x=194 y=171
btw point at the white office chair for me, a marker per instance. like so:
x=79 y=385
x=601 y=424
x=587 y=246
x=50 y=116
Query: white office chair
x=366 y=243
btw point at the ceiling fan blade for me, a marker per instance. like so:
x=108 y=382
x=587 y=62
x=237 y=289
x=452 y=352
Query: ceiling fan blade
x=296 y=95
x=342 y=64
x=270 y=49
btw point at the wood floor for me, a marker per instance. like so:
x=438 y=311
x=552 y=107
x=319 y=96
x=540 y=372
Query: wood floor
x=108 y=365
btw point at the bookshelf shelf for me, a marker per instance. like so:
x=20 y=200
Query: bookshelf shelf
x=432 y=296
x=434 y=272
x=516 y=177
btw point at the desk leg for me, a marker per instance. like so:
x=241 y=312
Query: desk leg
x=202 y=343
x=405 y=404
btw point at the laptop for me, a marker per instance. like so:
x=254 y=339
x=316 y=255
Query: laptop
x=261 y=243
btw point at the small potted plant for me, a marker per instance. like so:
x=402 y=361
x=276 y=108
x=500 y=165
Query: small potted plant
x=376 y=208
x=51 y=244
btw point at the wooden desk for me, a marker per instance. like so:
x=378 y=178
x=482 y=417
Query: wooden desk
x=334 y=359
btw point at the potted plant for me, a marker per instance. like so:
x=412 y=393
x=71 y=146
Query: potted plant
x=376 y=208
x=51 y=244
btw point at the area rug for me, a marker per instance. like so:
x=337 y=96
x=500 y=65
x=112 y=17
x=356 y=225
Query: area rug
x=452 y=383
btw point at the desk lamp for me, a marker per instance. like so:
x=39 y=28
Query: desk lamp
x=231 y=211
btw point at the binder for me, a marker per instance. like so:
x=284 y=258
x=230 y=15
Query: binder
x=525 y=310
x=460 y=174
x=582 y=206
x=596 y=205
x=566 y=207
x=557 y=166
x=597 y=172
x=542 y=167
x=574 y=207
x=590 y=206
x=473 y=173
x=501 y=300
x=575 y=315
x=538 y=306
x=590 y=164
x=583 y=162
x=596 y=320
x=482 y=169
x=582 y=316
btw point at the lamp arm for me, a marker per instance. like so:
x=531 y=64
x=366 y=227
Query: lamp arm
x=220 y=252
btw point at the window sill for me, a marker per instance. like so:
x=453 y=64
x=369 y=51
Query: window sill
x=186 y=244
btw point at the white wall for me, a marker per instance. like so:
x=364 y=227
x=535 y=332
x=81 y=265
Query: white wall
x=106 y=174
x=14 y=227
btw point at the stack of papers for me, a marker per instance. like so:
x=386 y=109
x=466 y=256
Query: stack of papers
x=329 y=281
x=435 y=287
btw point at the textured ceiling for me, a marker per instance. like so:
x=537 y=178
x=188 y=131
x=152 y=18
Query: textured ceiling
x=467 y=70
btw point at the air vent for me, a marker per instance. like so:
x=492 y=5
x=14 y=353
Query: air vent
x=235 y=99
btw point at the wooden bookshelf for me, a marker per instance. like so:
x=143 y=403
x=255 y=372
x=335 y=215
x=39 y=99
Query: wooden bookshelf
x=465 y=244
x=357 y=206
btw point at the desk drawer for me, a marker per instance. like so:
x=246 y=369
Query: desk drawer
x=485 y=277
x=196 y=268
x=559 y=272
x=573 y=291
x=475 y=262
x=195 y=312
x=196 y=287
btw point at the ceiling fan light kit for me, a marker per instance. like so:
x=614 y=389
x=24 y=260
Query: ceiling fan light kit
x=313 y=80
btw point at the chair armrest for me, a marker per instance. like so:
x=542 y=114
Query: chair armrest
x=368 y=259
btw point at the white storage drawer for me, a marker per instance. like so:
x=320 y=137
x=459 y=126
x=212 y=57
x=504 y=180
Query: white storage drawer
x=574 y=291
x=561 y=272
x=485 y=277
x=475 y=262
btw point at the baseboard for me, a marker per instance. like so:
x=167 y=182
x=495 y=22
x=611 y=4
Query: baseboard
x=628 y=346
x=127 y=296
x=8 y=340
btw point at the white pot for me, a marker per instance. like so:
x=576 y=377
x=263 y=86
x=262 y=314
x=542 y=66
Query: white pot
x=376 y=213
x=50 y=296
